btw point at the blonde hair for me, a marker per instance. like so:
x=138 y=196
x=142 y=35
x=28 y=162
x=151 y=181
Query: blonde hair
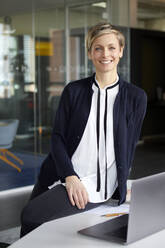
x=101 y=29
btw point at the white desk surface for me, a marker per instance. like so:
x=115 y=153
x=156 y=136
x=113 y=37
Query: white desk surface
x=62 y=233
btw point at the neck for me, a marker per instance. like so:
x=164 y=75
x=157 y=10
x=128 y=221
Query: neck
x=105 y=79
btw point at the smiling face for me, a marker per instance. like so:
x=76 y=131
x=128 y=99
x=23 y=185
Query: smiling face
x=105 y=53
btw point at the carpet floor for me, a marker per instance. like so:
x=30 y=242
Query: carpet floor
x=11 y=178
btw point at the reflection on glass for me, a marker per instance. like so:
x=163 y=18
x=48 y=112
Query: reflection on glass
x=85 y=16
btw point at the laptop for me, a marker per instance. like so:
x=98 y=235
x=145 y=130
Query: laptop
x=146 y=215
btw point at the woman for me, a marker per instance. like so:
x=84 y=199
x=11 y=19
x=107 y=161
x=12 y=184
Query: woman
x=96 y=129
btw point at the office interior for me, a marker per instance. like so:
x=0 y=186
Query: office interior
x=42 y=49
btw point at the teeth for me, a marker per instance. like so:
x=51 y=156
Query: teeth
x=106 y=62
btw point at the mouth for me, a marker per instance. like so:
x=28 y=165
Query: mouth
x=106 y=61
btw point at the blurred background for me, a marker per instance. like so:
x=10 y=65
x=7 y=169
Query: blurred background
x=42 y=49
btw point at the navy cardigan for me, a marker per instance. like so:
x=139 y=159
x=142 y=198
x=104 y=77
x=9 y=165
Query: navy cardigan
x=70 y=122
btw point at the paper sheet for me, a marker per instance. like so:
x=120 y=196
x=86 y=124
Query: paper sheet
x=107 y=209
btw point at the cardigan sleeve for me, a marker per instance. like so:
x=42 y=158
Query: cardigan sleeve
x=139 y=116
x=59 y=152
x=137 y=121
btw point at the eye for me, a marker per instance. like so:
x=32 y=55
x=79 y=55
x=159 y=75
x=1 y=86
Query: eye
x=97 y=48
x=112 y=48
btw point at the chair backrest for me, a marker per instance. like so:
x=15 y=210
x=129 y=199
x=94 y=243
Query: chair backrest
x=12 y=202
x=8 y=130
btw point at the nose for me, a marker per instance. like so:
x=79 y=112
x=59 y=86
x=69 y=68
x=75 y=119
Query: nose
x=106 y=52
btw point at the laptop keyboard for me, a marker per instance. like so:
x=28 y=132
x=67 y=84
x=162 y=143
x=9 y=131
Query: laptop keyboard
x=120 y=232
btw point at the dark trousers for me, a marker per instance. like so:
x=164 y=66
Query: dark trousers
x=48 y=204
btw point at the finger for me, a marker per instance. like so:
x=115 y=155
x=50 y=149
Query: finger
x=85 y=196
x=76 y=200
x=81 y=199
x=70 y=195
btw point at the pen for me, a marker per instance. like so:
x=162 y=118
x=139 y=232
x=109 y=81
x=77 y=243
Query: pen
x=112 y=215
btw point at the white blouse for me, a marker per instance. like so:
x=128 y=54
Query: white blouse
x=84 y=159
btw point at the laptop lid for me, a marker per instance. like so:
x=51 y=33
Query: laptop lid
x=147 y=208
x=146 y=214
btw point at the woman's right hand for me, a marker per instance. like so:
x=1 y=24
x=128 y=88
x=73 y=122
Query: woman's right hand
x=76 y=191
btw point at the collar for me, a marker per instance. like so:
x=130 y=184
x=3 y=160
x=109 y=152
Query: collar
x=92 y=80
x=110 y=86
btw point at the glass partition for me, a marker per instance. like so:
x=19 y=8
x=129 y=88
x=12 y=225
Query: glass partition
x=17 y=98
x=42 y=48
x=85 y=16
x=50 y=70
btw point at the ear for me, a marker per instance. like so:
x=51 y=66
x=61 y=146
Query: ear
x=121 y=52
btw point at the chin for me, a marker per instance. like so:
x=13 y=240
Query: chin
x=107 y=70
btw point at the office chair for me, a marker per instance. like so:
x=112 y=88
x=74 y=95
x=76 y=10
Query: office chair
x=8 y=129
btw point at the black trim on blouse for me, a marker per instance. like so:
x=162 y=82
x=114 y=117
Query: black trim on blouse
x=105 y=133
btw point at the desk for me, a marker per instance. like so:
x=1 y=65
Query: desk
x=62 y=233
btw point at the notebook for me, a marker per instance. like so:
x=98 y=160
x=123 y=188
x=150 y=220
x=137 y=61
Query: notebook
x=146 y=215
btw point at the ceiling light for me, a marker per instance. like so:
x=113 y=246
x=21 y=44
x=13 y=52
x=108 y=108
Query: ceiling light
x=101 y=5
